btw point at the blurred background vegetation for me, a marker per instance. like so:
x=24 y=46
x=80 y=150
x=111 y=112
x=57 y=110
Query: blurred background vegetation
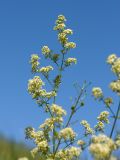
x=11 y=150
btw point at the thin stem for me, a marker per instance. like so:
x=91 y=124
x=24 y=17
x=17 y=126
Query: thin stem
x=111 y=112
x=72 y=112
x=57 y=64
x=115 y=120
x=48 y=80
x=109 y=108
x=82 y=90
x=49 y=110
x=54 y=131
x=62 y=61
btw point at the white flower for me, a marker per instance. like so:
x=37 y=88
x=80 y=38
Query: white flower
x=97 y=92
x=111 y=58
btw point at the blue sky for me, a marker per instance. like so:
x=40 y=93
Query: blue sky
x=25 y=26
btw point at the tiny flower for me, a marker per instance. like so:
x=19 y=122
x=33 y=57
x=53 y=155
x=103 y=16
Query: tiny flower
x=61 y=18
x=46 y=69
x=45 y=50
x=62 y=37
x=68 y=154
x=34 y=152
x=60 y=26
x=97 y=92
x=101 y=147
x=103 y=117
x=115 y=86
x=111 y=58
x=70 y=45
x=68 y=31
x=34 y=85
x=108 y=101
x=88 y=129
x=116 y=66
x=67 y=133
x=99 y=126
x=57 y=110
x=34 y=62
x=80 y=142
x=42 y=146
x=70 y=61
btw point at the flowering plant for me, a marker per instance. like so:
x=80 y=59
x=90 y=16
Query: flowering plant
x=56 y=139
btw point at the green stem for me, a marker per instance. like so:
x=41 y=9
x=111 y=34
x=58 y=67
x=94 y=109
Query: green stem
x=82 y=90
x=48 y=80
x=111 y=112
x=62 y=61
x=49 y=110
x=72 y=112
x=115 y=120
x=54 y=131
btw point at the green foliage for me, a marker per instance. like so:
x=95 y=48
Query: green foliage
x=10 y=150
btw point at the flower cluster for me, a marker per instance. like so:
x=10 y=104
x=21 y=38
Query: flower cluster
x=34 y=61
x=116 y=66
x=68 y=32
x=115 y=86
x=68 y=154
x=67 y=134
x=70 y=45
x=108 y=101
x=70 y=61
x=88 y=129
x=34 y=85
x=101 y=147
x=60 y=25
x=48 y=125
x=46 y=51
x=46 y=69
x=97 y=92
x=40 y=140
x=103 y=117
x=111 y=58
x=57 y=110
x=114 y=61
x=35 y=89
x=63 y=33
x=99 y=126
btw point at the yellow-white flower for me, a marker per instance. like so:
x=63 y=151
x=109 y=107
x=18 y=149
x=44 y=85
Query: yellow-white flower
x=116 y=66
x=97 y=92
x=111 y=58
x=68 y=154
x=68 y=31
x=34 y=62
x=45 y=50
x=70 y=61
x=115 y=86
x=103 y=117
x=101 y=147
x=46 y=69
x=70 y=45
x=35 y=84
x=57 y=110
x=67 y=133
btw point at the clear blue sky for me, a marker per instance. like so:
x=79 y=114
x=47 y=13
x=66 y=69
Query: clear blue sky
x=27 y=25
